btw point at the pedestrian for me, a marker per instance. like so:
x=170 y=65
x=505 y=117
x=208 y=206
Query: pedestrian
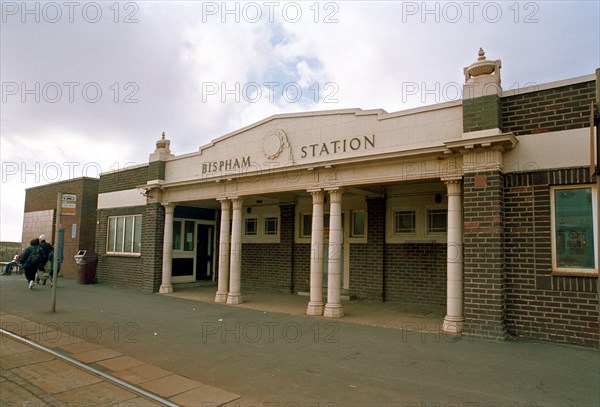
x=11 y=264
x=48 y=249
x=32 y=259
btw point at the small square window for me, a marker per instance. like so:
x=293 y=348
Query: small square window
x=358 y=224
x=271 y=226
x=437 y=220
x=404 y=222
x=251 y=227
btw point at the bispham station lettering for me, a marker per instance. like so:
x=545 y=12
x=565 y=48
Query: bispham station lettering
x=338 y=146
x=231 y=164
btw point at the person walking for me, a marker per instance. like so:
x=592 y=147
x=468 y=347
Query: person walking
x=32 y=259
x=48 y=249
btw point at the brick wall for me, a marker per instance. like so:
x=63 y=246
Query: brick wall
x=366 y=260
x=301 y=267
x=153 y=224
x=484 y=294
x=481 y=113
x=539 y=305
x=123 y=180
x=127 y=271
x=562 y=108
x=416 y=273
x=270 y=266
x=83 y=222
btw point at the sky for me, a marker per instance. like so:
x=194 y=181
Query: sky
x=88 y=87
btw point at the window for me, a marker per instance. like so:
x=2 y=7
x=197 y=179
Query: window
x=306 y=224
x=124 y=234
x=358 y=224
x=404 y=222
x=251 y=227
x=437 y=220
x=271 y=226
x=177 y=235
x=573 y=233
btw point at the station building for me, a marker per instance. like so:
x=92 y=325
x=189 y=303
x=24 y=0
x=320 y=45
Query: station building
x=484 y=205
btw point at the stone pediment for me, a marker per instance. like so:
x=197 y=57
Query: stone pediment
x=317 y=138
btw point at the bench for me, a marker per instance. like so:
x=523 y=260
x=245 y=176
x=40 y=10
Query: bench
x=15 y=270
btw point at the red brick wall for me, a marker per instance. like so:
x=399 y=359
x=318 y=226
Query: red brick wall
x=123 y=180
x=562 y=108
x=416 y=273
x=539 y=305
x=270 y=266
x=483 y=267
x=44 y=198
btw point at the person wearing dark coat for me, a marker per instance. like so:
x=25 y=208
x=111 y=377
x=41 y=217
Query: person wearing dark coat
x=48 y=249
x=32 y=259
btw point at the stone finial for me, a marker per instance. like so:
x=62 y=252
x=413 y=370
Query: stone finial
x=163 y=150
x=163 y=143
x=481 y=54
x=482 y=67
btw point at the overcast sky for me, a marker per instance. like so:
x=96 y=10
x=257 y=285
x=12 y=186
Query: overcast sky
x=90 y=86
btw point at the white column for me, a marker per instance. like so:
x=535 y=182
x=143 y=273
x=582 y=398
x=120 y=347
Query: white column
x=454 y=320
x=224 y=250
x=315 y=305
x=235 y=259
x=333 y=308
x=166 y=286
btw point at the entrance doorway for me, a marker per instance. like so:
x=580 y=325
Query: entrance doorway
x=205 y=252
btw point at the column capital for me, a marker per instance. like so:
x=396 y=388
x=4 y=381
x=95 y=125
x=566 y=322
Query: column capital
x=453 y=186
x=237 y=202
x=225 y=204
x=169 y=207
x=335 y=195
x=318 y=196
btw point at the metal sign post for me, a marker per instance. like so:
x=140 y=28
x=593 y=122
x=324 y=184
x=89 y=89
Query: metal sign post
x=56 y=253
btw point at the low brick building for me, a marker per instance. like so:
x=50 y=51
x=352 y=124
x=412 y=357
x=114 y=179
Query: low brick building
x=485 y=206
x=78 y=222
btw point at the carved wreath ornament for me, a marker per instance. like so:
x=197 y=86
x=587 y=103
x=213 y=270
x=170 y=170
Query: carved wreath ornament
x=273 y=143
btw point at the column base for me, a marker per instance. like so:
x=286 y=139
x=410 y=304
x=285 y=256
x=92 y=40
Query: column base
x=453 y=325
x=165 y=289
x=314 y=308
x=234 y=299
x=221 y=297
x=333 y=311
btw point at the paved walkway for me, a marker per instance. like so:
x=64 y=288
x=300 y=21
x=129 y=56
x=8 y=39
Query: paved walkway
x=269 y=354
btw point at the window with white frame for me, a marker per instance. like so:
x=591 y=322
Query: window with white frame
x=358 y=224
x=574 y=232
x=124 y=234
x=437 y=220
x=404 y=222
x=271 y=226
x=251 y=227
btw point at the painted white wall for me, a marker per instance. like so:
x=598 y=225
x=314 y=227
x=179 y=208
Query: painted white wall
x=121 y=199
